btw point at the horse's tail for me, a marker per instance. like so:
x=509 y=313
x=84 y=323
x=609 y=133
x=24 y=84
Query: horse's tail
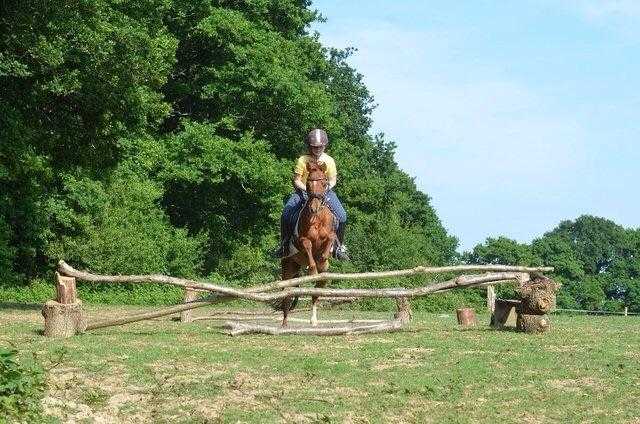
x=285 y=302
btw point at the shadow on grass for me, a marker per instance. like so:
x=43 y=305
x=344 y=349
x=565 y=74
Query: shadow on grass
x=20 y=306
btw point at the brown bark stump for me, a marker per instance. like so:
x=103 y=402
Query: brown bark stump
x=504 y=314
x=403 y=314
x=533 y=323
x=63 y=320
x=466 y=317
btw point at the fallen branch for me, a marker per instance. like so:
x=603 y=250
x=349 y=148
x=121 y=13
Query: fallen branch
x=239 y=328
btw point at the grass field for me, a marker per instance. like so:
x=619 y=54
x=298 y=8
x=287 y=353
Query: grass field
x=586 y=370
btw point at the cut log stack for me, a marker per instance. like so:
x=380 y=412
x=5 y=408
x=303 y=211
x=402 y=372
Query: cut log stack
x=537 y=299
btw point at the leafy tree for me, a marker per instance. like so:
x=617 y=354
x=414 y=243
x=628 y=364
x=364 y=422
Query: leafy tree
x=75 y=77
x=502 y=250
x=159 y=136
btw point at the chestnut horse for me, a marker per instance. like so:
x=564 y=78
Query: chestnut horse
x=316 y=237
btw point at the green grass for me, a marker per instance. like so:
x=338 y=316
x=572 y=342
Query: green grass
x=587 y=369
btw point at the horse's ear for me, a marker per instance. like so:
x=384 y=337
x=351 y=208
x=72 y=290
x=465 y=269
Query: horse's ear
x=323 y=166
x=309 y=166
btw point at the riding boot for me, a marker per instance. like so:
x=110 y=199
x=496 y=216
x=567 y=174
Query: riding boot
x=340 y=252
x=283 y=250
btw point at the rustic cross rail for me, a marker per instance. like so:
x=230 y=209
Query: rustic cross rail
x=493 y=274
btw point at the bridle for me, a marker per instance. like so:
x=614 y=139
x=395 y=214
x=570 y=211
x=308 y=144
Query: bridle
x=322 y=196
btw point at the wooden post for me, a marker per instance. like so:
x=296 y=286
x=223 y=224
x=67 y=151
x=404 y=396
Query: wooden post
x=64 y=316
x=626 y=311
x=403 y=314
x=504 y=314
x=491 y=299
x=65 y=289
x=189 y=296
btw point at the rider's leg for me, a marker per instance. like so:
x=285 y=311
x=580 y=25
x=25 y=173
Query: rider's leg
x=337 y=208
x=286 y=224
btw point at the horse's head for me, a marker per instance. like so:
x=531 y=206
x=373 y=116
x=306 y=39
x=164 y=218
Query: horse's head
x=317 y=185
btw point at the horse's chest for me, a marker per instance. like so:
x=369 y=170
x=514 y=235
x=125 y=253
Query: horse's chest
x=318 y=232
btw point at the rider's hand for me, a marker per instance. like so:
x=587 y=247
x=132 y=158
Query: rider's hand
x=304 y=195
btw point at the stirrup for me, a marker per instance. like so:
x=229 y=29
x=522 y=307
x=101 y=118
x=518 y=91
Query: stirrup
x=341 y=252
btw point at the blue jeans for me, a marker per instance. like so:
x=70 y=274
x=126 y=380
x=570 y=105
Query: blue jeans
x=294 y=204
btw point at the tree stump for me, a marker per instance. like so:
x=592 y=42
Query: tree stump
x=466 y=317
x=189 y=296
x=538 y=296
x=403 y=314
x=63 y=320
x=533 y=324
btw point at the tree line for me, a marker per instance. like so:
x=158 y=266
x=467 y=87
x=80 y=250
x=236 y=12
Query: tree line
x=159 y=136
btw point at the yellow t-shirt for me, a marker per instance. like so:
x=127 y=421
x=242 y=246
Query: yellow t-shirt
x=329 y=166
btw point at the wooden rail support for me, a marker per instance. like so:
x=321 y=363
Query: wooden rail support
x=491 y=298
x=504 y=314
x=64 y=316
x=403 y=314
x=189 y=296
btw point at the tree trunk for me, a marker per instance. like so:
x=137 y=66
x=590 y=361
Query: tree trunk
x=505 y=313
x=538 y=296
x=65 y=289
x=63 y=320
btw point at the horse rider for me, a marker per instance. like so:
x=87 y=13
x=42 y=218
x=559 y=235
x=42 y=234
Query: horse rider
x=316 y=142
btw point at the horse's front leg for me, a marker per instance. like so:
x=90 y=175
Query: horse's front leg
x=323 y=265
x=308 y=248
x=326 y=251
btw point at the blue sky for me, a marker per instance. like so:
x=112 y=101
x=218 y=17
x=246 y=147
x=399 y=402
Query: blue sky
x=511 y=115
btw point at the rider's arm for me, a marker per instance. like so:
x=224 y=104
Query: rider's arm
x=297 y=183
x=332 y=173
